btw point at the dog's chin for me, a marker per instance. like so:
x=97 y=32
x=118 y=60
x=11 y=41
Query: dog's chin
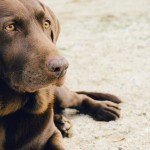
x=31 y=88
x=60 y=81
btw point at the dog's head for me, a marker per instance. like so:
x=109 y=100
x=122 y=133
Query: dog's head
x=29 y=59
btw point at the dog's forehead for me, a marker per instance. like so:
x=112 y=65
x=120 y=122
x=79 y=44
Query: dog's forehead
x=33 y=5
x=20 y=7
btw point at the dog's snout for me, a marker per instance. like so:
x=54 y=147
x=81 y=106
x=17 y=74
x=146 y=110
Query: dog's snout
x=58 y=66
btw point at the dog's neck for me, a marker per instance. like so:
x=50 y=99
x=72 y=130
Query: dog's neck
x=35 y=103
x=10 y=101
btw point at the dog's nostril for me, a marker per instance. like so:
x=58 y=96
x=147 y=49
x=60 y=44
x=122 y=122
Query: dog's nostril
x=57 y=69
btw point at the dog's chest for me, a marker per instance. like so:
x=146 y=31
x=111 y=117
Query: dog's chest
x=39 y=141
x=23 y=131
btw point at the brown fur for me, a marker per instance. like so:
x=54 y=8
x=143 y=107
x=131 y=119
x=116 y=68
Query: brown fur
x=28 y=84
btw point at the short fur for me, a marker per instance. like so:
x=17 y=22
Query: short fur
x=29 y=92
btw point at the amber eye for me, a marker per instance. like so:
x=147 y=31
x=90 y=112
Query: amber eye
x=10 y=27
x=46 y=24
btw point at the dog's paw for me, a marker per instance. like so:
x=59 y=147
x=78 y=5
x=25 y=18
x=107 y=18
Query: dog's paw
x=101 y=110
x=105 y=111
x=64 y=125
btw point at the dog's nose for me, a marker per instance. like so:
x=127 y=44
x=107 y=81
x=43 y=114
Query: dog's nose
x=58 y=66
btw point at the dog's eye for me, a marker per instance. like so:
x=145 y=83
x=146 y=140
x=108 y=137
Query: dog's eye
x=10 y=27
x=47 y=24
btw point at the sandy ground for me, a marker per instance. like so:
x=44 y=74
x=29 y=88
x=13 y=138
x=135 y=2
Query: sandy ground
x=107 y=43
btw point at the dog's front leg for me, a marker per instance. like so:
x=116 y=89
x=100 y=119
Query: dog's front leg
x=102 y=108
x=55 y=142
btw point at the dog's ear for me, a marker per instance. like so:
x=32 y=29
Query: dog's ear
x=55 y=26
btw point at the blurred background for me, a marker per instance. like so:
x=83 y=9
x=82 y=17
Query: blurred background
x=107 y=43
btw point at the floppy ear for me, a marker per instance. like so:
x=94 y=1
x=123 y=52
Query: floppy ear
x=55 y=26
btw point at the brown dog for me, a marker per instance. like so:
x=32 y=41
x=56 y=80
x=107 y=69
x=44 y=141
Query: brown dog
x=31 y=69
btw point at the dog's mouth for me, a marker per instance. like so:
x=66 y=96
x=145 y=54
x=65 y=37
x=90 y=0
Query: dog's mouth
x=60 y=81
x=37 y=83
